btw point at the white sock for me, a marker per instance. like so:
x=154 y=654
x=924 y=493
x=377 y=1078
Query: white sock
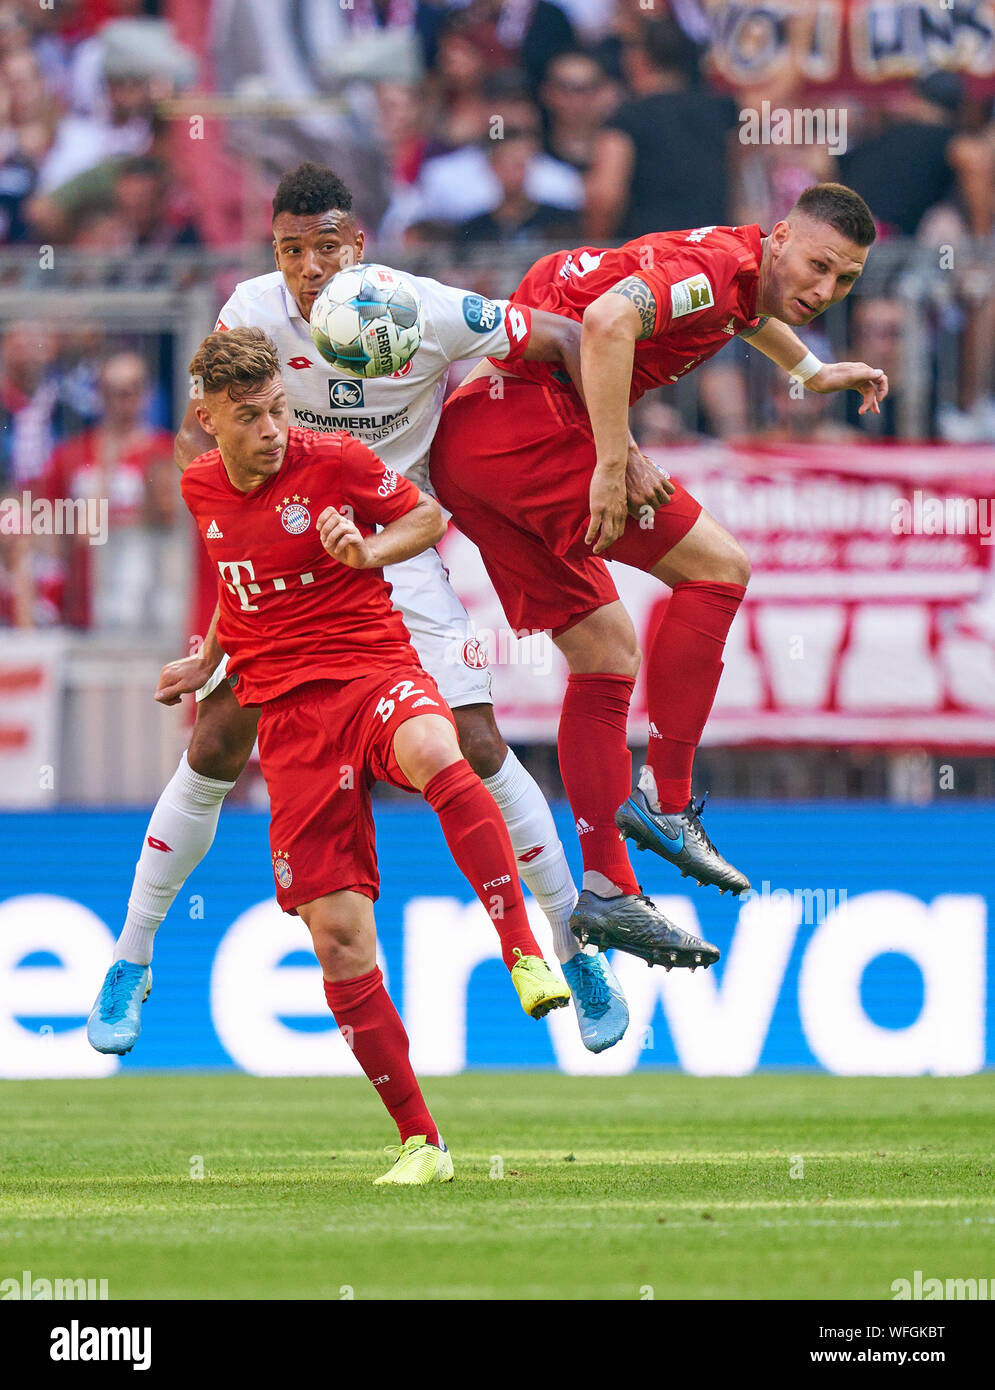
x=185 y=818
x=530 y=825
x=595 y=882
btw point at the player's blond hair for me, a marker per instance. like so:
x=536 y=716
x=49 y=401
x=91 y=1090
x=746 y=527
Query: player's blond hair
x=236 y=360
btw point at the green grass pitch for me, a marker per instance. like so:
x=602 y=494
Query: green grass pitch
x=655 y=1185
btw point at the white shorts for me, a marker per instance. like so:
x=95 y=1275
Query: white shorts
x=442 y=632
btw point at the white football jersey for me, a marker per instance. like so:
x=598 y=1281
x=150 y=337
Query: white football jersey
x=396 y=415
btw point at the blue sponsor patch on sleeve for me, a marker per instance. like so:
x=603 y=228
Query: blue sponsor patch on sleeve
x=482 y=315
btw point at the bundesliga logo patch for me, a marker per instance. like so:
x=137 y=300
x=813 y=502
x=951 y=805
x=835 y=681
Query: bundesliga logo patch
x=690 y=295
x=295 y=518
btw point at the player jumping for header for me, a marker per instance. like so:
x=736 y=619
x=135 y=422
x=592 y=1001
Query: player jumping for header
x=316 y=649
x=549 y=490
x=315 y=234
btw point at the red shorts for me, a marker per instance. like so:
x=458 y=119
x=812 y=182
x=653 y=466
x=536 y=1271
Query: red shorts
x=321 y=748
x=516 y=475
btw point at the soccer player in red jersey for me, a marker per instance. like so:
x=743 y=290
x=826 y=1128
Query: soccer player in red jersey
x=289 y=518
x=550 y=487
x=316 y=234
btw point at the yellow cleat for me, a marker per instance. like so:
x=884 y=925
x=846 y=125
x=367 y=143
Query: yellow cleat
x=417 y=1162
x=538 y=988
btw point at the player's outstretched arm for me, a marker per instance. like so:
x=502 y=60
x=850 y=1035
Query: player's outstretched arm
x=783 y=346
x=191 y=441
x=418 y=529
x=871 y=382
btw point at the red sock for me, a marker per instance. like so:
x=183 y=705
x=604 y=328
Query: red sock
x=372 y=1027
x=682 y=676
x=478 y=840
x=596 y=767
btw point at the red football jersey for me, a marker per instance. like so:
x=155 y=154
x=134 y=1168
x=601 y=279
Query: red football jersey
x=705 y=283
x=290 y=612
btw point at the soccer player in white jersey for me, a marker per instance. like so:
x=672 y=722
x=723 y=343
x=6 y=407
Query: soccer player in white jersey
x=315 y=235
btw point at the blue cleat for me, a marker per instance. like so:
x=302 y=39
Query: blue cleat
x=116 y=1018
x=676 y=836
x=602 y=1013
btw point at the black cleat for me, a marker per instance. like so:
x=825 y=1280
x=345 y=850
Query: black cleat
x=677 y=836
x=633 y=923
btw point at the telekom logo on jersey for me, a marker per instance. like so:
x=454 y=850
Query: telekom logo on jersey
x=232 y=574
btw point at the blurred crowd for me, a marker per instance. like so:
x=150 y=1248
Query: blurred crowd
x=135 y=126
x=501 y=120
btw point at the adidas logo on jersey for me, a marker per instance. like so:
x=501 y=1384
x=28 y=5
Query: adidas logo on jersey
x=583 y=828
x=654 y=731
x=214 y=532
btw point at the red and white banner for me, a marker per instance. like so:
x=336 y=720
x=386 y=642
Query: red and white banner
x=30 y=691
x=870 y=616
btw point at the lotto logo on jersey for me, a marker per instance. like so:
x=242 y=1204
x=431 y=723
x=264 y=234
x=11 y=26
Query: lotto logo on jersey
x=388 y=484
x=691 y=295
x=480 y=314
x=295 y=518
x=343 y=393
x=516 y=324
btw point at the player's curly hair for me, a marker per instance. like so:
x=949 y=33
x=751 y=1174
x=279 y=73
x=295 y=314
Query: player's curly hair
x=844 y=210
x=310 y=189
x=236 y=360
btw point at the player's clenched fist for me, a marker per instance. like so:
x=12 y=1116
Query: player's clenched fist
x=343 y=539
x=184 y=677
x=646 y=485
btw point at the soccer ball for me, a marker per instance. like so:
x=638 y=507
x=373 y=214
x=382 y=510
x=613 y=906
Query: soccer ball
x=368 y=321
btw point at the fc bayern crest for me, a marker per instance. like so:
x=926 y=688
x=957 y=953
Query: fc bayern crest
x=295 y=518
x=283 y=873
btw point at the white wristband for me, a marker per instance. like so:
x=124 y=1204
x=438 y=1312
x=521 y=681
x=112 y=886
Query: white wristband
x=806 y=368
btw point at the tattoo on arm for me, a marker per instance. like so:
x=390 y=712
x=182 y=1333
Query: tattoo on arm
x=749 y=332
x=644 y=300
